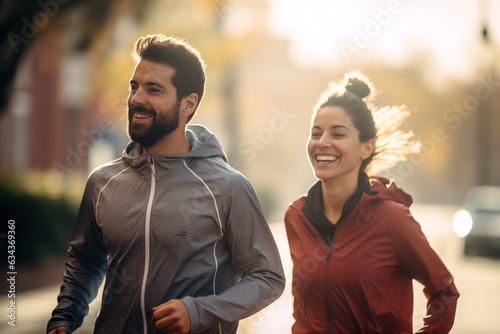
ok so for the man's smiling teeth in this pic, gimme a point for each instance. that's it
(142, 116)
(326, 158)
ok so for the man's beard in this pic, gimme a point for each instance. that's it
(162, 125)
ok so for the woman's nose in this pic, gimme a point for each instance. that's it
(324, 140)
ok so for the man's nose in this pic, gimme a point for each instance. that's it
(138, 97)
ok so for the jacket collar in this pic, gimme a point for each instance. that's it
(369, 189)
(313, 204)
(202, 142)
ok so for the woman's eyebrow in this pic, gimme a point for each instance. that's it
(333, 127)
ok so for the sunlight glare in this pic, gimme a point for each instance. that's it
(316, 28)
(462, 223)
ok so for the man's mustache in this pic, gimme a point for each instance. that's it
(135, 108)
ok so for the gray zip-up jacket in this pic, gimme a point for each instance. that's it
(163, 227)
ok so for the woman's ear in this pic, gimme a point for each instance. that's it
(367, 149)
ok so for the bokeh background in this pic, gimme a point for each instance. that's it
(64, 82)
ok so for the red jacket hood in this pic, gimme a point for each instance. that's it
(383, 188)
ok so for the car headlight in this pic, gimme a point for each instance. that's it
(461, 223)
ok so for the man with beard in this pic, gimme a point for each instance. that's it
(178, 233)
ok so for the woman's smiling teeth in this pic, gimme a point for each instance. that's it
(326, 158)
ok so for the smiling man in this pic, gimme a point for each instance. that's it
(178, 233)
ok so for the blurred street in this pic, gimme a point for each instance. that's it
(477, 280)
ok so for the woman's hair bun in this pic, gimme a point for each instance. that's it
(357, 87)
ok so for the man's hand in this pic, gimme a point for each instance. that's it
(171, 317)
(59, 330)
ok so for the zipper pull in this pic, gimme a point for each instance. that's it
(330, 247)
(151, 161)
(329, 252)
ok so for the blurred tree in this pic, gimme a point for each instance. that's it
(42, 223)
(23, 21)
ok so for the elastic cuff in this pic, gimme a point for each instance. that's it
(193, 314)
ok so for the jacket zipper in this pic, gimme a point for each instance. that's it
(326, 285)
(146, 241)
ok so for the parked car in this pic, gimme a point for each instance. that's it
(479, 221)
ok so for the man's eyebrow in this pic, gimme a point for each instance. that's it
(155, 84)
(150, 84)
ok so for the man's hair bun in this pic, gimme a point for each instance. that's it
(357, 87)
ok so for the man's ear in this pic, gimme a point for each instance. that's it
(367, 149)
(188, 104)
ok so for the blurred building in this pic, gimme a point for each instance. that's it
(45, 115)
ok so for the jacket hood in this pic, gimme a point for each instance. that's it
(203, 144)
(382, 188)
